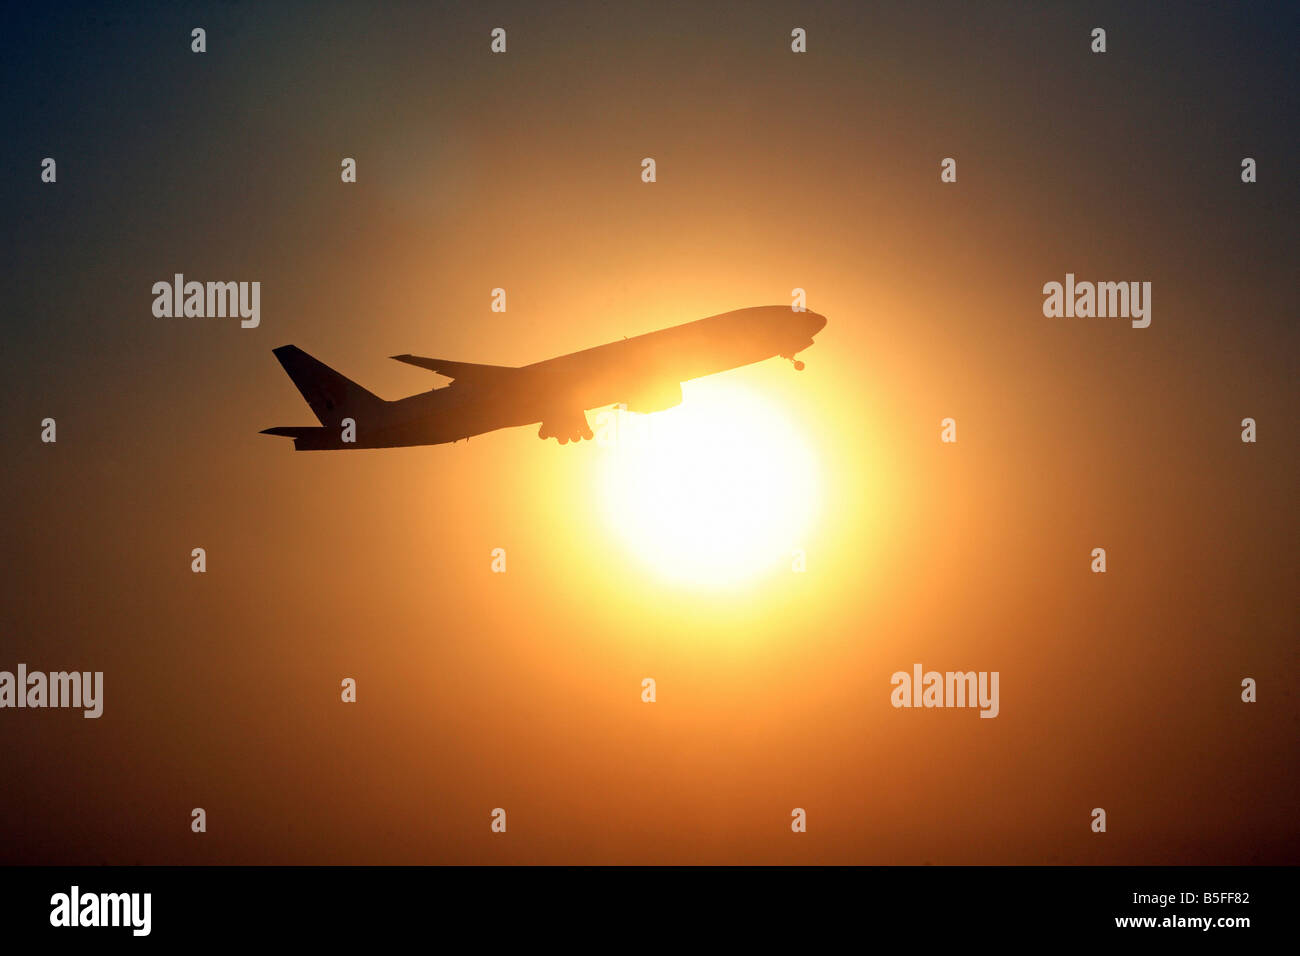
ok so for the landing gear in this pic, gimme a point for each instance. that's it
(798, 365)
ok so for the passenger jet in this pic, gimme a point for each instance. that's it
(644, 373)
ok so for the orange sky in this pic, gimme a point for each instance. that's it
(522, 690)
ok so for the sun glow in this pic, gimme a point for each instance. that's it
(714, 492)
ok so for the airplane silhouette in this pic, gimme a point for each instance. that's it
(644, 373)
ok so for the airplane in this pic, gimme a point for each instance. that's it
(643, 373)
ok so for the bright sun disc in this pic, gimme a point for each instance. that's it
(712, 492)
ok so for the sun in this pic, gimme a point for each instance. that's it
(715, 492)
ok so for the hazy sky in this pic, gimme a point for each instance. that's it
(522, 690)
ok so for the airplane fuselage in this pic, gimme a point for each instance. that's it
(644, 372)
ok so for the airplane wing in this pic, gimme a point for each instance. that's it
(461, 371)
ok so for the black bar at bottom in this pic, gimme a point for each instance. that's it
(616, 907)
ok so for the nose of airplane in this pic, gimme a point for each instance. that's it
(817, 321)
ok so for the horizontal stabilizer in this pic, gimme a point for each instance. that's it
(292, 431)
(461, 371)
(310, 438)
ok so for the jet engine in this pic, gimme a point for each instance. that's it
(655, 399)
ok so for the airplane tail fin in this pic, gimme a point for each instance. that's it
(332, 397)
